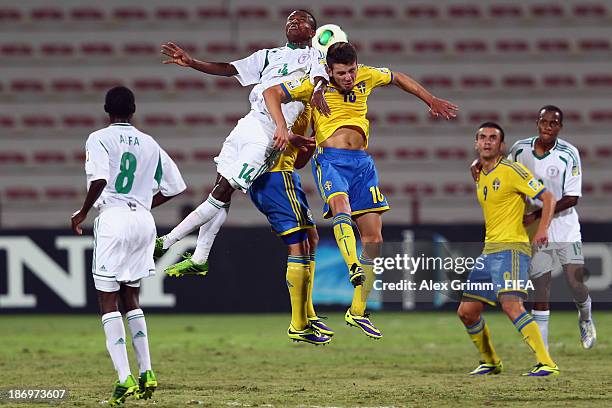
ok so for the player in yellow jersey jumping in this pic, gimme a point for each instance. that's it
(344, 172)
(504, 263)
(279, 196)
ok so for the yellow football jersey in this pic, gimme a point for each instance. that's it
(286, 161)
(501, 193)
(347, 109)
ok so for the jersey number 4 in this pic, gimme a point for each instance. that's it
(125, 178)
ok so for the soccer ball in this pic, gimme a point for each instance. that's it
(327, 35)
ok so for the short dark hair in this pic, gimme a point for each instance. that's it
(312, 17)
(551, 108)
(119, 102)
(341, 53)
(494, 126)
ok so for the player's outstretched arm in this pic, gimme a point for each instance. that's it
(159, 199)
(548, 210)
(274, 96)
(95, 189)
(181, 57)
(437, 106)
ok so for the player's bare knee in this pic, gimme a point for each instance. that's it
(313, 239)
(468, 313)
(129, 297)
(340, 204)
(512, 307)
(108, 301)
(223, 191)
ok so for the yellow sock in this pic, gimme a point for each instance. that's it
(298, 275)
(532, 336)
(345, 238)
(481, 337)
(362, 292)
(310, 311)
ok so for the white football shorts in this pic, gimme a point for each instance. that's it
(554, 256)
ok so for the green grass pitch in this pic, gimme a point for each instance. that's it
(247, 361)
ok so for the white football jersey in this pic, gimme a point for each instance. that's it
(269, 67)
(133, 165)
(560, 171)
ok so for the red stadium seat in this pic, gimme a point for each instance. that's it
(221, 48)
(378, 12)
(422, 11)
(559, 80)
(470, 46)
(50, 157)
(79, 120)
(606, 187)
(88, 14)
(101, 49)
(598, 80)
(130, 14)
(189, 84)
(518, 81)
(284, 12)
(204, 155)
(231, 119)
(477, 81)
(79, 156)
(464, 11)
(603, 152)
(252, 12)
(590, 10)
(57, 50)
(499, 11)
(9, 158)
(387, 46)
(213, 12)
(140, 49)
(16, 50)
(411, 153)
(601, 115)
(199, 119)
(588, 188)
(46, 14)
(584, 152)
(572, 116)
(554, 45)
(149, 85)
(419, 189)
(550, 10)
(226, 84)
(479, 117)
(27, 85)
(429, 46)
(170, 13)
(62, 193)
(594, 44)
(437, 81)
(402, 118)
(451, 153)
(6, 122)
(177, 155)
(8, 15)
(511, 45)
(372, 117)
(67, 85)
(458, 188)
(104, 84)
(333, 12)
(378, 154)
(21, 193)
(523, 116)
(387, 189)
(159, 119)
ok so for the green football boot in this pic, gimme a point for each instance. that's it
(187, 267)
(159, 250)
(123, 390)
(147, 383)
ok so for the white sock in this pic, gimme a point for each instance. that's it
(207, 235)
(115, 343)
(585, 309)
(140, 340)
(198, 217)
(541, 317)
